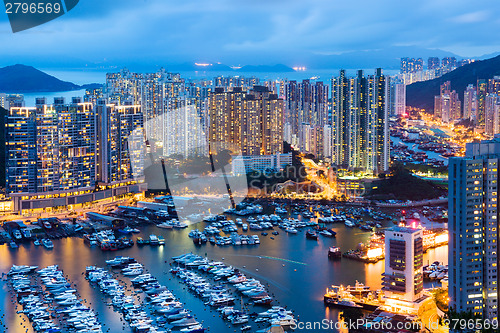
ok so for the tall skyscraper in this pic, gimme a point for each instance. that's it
(398, 97)
(306, 102)
(482, 91)
(470, 102)
(21, 150)
(473, 226)
(492, 120)
(340, 119)
(360, 108)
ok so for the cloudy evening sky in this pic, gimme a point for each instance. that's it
(252, 31)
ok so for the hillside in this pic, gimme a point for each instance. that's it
(421, 94)
(26, 79)
(401, 185)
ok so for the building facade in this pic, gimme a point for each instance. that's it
(473, 226)
(360, 111)
(403, 276)
(55, 157)
(242, 164)
(247, 123)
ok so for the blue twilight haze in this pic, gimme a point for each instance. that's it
(236, 32)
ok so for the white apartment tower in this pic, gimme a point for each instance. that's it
(403, 276)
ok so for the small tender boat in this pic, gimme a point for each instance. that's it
(141, 241)
(47, 243)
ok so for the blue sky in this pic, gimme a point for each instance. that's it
(252, 31)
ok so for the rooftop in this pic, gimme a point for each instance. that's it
(404, 229)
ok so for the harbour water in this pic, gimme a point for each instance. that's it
(296, 270)
(414, 147)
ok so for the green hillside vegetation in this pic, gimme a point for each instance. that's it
(402, 185)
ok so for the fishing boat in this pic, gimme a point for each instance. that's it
(153, 240)
(334, 253)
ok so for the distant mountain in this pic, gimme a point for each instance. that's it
(421, 94)
(384, 57)
(217, 67)
(189, 66)
(266, 69)
(26, 79)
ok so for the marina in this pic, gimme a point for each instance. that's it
(279, 264)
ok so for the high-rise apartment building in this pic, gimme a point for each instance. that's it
(236, 81)
(149, 90)
(449, 62)
(433, 63)
(120, 143)
(11, 100)
(50, 147)
(306, 102)
(447, 105)
(481, 92)
(491, 109)
(185, 129)
(250, 123)
(360, 108)
(470, 102)
(411, 65)
(55, 156)
(494, 85)
(473, 226)
(398, 98)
